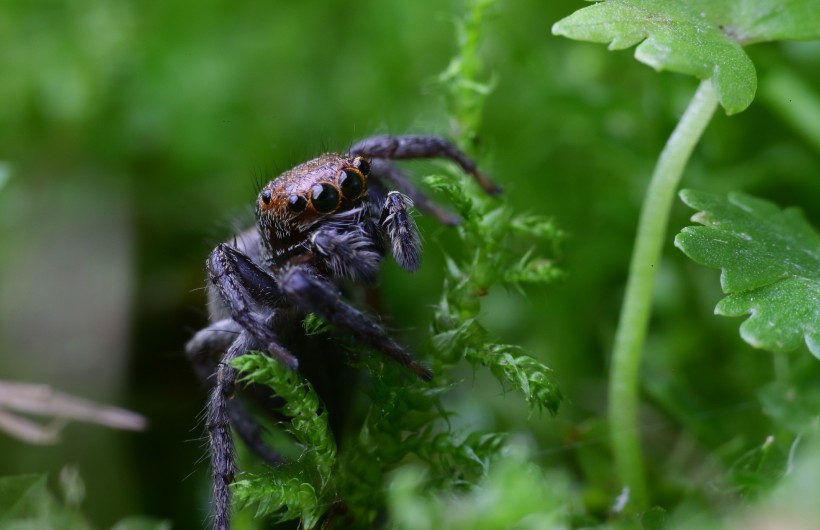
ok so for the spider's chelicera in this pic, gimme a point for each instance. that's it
(327, 220)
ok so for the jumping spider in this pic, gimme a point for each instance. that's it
(323, 222)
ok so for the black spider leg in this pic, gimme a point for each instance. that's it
(208, 345)
(412, 146)
(303, 285)
(242, 284)
(203, 348)
(218, 423)
(243, 287)
(385, 170)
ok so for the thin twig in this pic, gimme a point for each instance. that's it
(61, 407)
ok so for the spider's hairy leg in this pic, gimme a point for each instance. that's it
(397, 223)
(208, 344)
(303, 285)
(415, 146)
(347, 253)
(203, 350)
(218, 424)
(242, 284)
(249, 293)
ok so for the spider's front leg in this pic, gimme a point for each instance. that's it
(250, 295)
(314, 294)
(244, 286)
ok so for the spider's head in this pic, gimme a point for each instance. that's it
(297, 199)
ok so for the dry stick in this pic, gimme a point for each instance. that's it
(44, 401)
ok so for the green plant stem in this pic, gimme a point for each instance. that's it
(632, 327)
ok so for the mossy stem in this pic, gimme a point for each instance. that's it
(632, 327)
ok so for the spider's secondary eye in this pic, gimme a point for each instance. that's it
(266, 195)
(362, 165)
(324, 197)
(296, 203)
(352, 183)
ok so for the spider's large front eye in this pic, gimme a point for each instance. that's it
(362, 164)
(352, 183)
(324, 197)
(296, 203)
(266, 196)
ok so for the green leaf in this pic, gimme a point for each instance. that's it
(20, 495)
(294, 490)
(514, 493)
(770, 267)
(702, 38)
(759, 470)
(792, 401)
(308, 419)
(654, 518)
(525, 373)
(282, 494)
(26, 502)
(315, 325)
(751, 21)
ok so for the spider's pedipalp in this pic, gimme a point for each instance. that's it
(401, 230)
(347, 253)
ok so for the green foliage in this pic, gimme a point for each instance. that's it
(758, 470)
(407, 420)
(526, 374)
(27, 503)
(443, 477)
(125, 159)
(794, 501)
(488, 232)
(792, 401)
(465, 93)
(770, 267)
(301, 489)
(702, 38)
(515, 493)
(315, 325)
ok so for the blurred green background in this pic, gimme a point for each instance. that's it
(133, 137)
